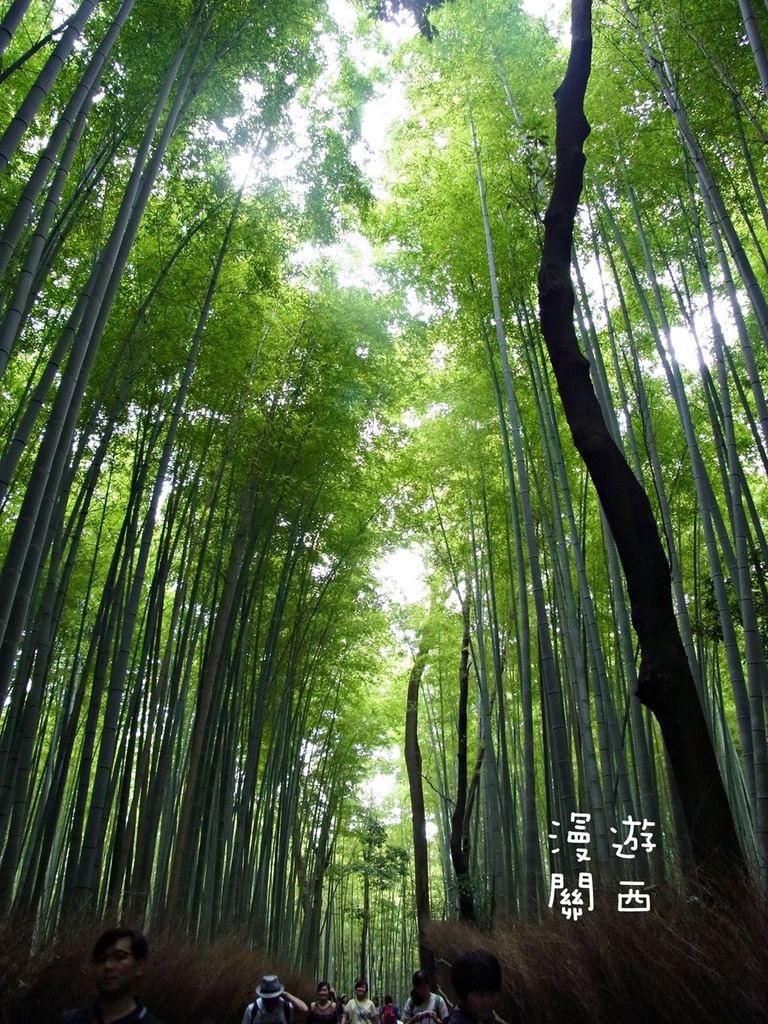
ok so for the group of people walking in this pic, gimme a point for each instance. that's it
(275, 1005)
(475, 976)
(120, 954)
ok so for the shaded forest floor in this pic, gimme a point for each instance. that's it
(683, 962)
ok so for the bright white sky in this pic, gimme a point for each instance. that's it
(390, 102)
(401, 576)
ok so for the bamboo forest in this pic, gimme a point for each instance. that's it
(383, 473)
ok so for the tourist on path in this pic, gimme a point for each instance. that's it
(118, 957)
(422, 1003)
(324, 1010)
(273, 1005)
(390, 1014)
(359, 1009)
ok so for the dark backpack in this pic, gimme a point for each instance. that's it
(257, 1012)
(389, 1014)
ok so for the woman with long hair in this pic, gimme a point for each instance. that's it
(324, 1010)
(422, 1004)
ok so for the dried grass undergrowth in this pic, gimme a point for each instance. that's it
(685, 963)
(184, 983)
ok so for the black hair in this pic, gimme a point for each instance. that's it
(323, 984)
(361, 983)
(419, 978)
(139, 945)
(476, 971)
(388, 999)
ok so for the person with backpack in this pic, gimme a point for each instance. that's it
(391, 1012)
(423, 1004)
(273, 1005)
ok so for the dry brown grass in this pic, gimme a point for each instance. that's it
(184, 983)
(685, 963)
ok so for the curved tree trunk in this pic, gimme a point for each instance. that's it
(665, 683)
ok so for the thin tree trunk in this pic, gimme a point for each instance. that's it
(11, 21)
(551, 687)
(717, 213)
(412, 755)
(41, 87)
(460, 845)
(91, 853)
(755, 42)
(74, 113)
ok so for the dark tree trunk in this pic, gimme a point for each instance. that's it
(413, 765)
(665, 683)
(460, 843)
